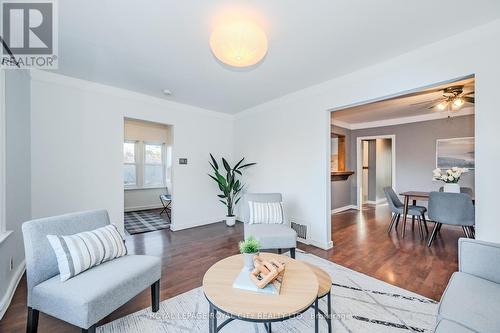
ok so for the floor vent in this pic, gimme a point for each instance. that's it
(301, 229)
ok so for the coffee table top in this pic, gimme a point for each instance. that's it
(324, 280)
(298, 290)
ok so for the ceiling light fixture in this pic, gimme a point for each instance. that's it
(239, 43)
(442, 105)
(166, 92)
(458, 102)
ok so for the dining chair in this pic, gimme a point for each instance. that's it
(453, 209)
(466, 190)
(397, 208)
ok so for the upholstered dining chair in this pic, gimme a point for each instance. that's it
(88, 297)
(397, 208)
(272, 236)
(453, 209)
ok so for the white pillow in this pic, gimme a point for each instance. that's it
(265, 212)
(79, 252)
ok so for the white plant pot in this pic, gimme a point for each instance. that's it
(230, 220)
(451, 188)
(248, 259)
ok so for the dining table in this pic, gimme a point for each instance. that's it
(414, 196)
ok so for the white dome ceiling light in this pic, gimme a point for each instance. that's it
(239, 43)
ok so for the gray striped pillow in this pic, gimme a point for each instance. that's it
(79, 252)
(265, 212)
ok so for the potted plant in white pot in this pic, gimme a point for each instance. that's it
(249, 248)
(450, 177)
(229, 185)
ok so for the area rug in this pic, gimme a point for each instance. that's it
(360, 304)
(144, 221)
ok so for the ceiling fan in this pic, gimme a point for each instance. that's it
(453, 99)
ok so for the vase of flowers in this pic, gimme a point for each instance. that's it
(249, 248)
(450, 177)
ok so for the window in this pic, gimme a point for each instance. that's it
(153, 165)
(130, 164)
(144, 164)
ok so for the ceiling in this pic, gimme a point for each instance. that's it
(151, 45)
(410, 105)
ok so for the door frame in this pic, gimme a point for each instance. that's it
(359, 163)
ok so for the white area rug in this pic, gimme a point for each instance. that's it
(359, 303)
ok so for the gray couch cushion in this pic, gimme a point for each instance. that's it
(90, 296)
(472, 302)
(272, 236)
(448, 326)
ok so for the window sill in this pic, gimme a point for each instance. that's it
(145, 188)
(4, 235)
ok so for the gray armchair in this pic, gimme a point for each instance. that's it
(270, 236)
(452, 209)
(471, 300)
(89, 296)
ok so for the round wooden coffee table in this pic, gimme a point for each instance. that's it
(298, 292)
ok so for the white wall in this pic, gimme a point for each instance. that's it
(289, 137)
(17, 180)
(77, 136)
(136, 130)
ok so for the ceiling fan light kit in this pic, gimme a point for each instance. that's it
(453, 99)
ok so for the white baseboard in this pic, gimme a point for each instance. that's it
(177, 227)
(341, 209)
(134, 209)
(321, 245)
(11, 289)
(376, 202)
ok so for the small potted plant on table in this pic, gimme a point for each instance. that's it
(249, 248)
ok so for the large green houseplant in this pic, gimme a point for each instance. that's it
(229, 184)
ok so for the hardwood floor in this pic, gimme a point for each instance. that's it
(361, 243)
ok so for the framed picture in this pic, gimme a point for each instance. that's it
(456, 152)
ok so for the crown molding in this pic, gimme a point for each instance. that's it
(404, 120)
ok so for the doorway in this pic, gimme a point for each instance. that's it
(147, 175)
(376, 168)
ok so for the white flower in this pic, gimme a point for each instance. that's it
(455, 169)
(450, 178)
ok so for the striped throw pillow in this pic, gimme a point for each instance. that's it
(265, 212)
(79, 252)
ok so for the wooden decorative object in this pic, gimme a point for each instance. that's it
(266, 271)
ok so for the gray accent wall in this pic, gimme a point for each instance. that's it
(415, 153)
(342, 188)
(17, 174)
